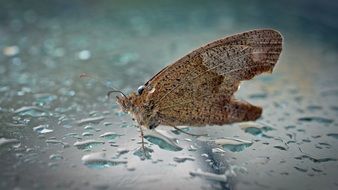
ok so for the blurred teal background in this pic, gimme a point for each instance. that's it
(47, 110)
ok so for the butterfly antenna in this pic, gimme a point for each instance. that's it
(195, 135)
(119, 91)
(98, 79)
(87, 75)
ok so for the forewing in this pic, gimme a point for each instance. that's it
(213, 73)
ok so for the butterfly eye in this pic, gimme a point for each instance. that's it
(140, 90)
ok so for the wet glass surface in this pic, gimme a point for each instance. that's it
(59, 131)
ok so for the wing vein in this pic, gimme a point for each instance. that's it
(182, 83)
(234, 70)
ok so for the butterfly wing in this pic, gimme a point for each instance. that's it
(198, 89)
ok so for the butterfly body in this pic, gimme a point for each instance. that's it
(198, 89)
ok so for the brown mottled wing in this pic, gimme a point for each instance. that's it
(198, 89)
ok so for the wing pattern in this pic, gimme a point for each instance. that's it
(198, 89)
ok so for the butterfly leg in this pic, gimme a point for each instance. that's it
(146, 151)
(142, 141)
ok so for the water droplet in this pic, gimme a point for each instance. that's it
(102, 187)
(316, 119)
(84, 55)
(73, 135)
(107, 124)
(17, 124)
(143, 154)
(334, 108)
(125, 125)
(109, 135)
(11, 50)
(131, 168)
(330, 92)
(255, 128)
(289, 127)
(291, 142)
(316, 170)
(177, 132)
(45, 131)
(232, 144)
(42, 99)
(159, 138)
(89, 127)
(121, 151)
(209, 176)
(258, 96)
(192, 148)
(31, 111)
(280, 147)
(87, 134)
(52, 164)
(181, 159)
(67, 126)
(314, 108)
(217, 150)
(98, 160)
(55, 157)
(315, 160)
(53, 141)
(334, 135)
(42, 129)
(90, 120)
(3, 88)
(289, 135)
(93, 113)
(5, 141)
(127, 58)
(87, 144)
(188, 140)
(301, 169)
(172, 164)
(254, 131)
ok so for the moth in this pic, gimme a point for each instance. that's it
(198, 89)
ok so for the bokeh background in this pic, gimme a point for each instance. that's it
(59, 131)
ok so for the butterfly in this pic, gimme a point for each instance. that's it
(198, 89)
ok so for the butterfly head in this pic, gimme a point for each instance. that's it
(142, 111)
(126, 103)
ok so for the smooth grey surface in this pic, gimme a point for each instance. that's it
(46, 45)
